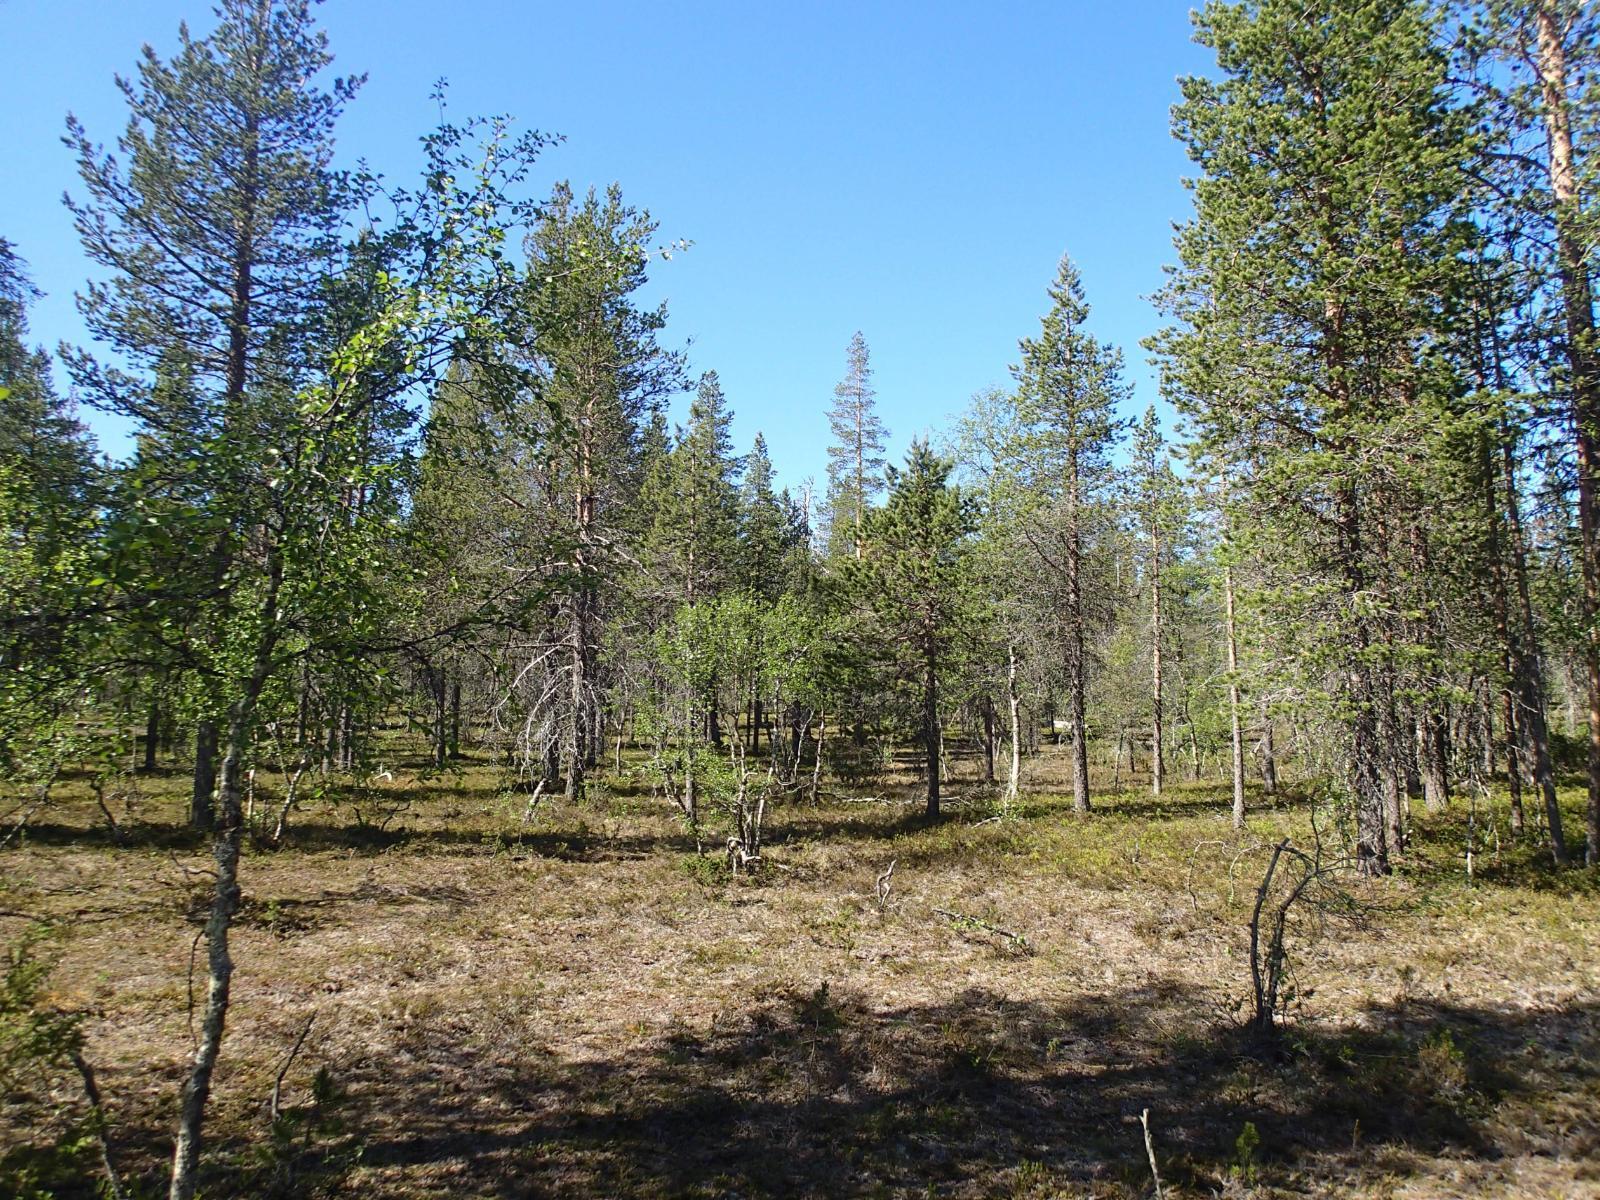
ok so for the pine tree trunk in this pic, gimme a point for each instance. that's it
(1013, 706)
(1235, 726)
(1509, 653)
(1365, 773)
(441, 715)
(1269, 755)
(1077, 682)
(1157, 764)
(1531, 718)
(1433, 742)
(455, 720)
(932, 735)
(988, 739)
(578, 693)
(1578, 304)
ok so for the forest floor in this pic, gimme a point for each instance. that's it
(579, 1006)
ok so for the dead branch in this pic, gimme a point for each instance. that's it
(1150, 1150)
(294, 1051)
(964, 919)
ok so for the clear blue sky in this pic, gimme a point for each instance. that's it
(912, 170)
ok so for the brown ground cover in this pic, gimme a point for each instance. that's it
(578, 1006)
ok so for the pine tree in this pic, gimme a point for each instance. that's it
(855, 458)
(1323, 248)
(215, 225)
(1536, 65)
(603, 372)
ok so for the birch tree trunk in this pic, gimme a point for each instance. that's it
(225, 900)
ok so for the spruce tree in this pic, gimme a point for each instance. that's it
(696, 526)
(915, 578)
(1069, 385)
(1154, 497)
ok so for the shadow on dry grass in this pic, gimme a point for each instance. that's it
(818, 1094)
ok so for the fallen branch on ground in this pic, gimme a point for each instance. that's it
(964, 919)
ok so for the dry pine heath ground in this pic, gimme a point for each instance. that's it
(576, 1006)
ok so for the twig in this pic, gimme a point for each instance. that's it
(194, 949)
(277, 1084)
(885, 881)
(1150, 1149)
(963, 918)
(21, 822)
(97, 1113)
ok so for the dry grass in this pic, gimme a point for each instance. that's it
(576, 1007)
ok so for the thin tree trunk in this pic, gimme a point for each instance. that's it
(1157, 765)
(152, 736)
(1509, 652)
(1077, 681)
(224, 902)
(988, 739)
(1365, 774)
(441, 714)
(932, 734)
(1531, 717)
(1013, 707)
(202, 805)
(1269, 755)
(1432, 730)
(1235, 726)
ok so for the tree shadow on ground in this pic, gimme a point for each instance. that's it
(313, 836)
(813, 1093)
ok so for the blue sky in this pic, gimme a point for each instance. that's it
(912, 170)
